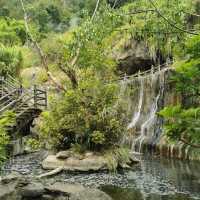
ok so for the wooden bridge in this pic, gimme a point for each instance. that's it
(153, 70)
(27, 104)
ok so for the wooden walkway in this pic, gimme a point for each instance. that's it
(27, 104)
(153, 70)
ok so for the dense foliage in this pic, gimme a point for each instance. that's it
(86, 117)
(6, 119)
(79, 44)
(12, 32)
(182, 121)
(10, 61)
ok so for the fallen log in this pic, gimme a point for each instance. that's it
(51, 173)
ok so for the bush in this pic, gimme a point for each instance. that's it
(6, 119)
(12, 32)
(10, 61)
(182, 121)
(117, 157)
(84, 116)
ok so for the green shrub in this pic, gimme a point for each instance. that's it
(117, 157)
(10, 61)
(84, 116)
(6, 119)
(77, 148)
(12, 32)
(33, 144)
(182, 122)
(97, 138)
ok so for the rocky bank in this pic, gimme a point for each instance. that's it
(18, 187)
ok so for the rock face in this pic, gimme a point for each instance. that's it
(83, 163)
(16, 187)
(133, 56)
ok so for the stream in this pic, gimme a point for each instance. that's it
(152, 179)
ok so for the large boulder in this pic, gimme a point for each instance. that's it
(33, 190)
(93, 194)
(68, 189)
(16, 187)
(7, 189)
(90, 163)
(78, 192)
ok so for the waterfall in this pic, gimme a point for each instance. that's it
(147, 124)
(137, 114)
(147, 101)
(145, 95)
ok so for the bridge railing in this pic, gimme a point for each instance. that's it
(40, 97)
(14, 96)
(153, 70)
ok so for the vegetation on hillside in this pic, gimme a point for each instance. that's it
(182, 121)
(6, 119)
(77, 43)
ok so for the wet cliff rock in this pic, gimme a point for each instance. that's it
(133, 56)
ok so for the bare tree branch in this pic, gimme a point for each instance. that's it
(115, 3)
(51, 173)
(39, 50)
(192, 14)
(190, 144)
(137, 12)
(74, 60)
(169, 21)
(68, 69)
(95, 10)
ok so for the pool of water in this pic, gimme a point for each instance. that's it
(159, 179)
(151, 179)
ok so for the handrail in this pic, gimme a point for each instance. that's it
(153, 70)
(25, 103)
(11, 103)
(5, 103)
(13, 80)
(7, 95)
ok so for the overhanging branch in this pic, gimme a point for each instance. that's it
(169, 21)
(39, 50)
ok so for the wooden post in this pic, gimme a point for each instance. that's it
(2, 78)
(35, 96)
(46, 99)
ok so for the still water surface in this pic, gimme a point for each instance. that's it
(159, 179)
(152, 179)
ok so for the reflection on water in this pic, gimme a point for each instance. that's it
(152, 179)
(160, 179)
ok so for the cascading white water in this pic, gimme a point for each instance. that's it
(136, 115)
(147, 124)
(149, 92)
(145, 95)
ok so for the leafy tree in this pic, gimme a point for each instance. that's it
(84, 116)
(54, 13)
(182, 122)
(88, 48)
(157, 26)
